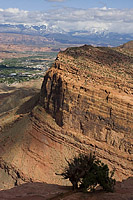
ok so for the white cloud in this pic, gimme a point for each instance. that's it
(70, 19)
(12, 10)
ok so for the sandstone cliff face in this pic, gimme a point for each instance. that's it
(92, 106)
(85, 105)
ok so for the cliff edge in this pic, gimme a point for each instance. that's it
(85, 105)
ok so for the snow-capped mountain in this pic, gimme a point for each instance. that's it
(75, 37)
(22, 28)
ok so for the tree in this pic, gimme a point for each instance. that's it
(98, 175)
(77, 168)
(86, 172)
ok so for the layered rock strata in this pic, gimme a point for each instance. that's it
(85, 105)
(92, 101)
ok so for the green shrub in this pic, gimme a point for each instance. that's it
(86, 172)
(98, 174)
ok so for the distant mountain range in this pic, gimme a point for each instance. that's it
(75, 37)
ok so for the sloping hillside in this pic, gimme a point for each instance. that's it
(85, 105)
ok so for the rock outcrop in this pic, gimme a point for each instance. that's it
(43, 191)
(85, 105)
(91, 100)
(128, 45)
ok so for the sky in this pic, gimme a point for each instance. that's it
(70, 15)
(41, 5)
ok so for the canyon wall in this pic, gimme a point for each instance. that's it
(92, 106)
(85, 105)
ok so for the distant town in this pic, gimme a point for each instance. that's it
(16, 70)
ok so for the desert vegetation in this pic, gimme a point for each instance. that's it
(86, 172)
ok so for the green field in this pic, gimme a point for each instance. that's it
(26, 68)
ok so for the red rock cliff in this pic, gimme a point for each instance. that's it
(85, 105)
(88, 92)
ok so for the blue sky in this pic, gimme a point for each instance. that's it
(70, 15)
(32, 5)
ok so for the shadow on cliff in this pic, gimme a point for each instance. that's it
(44, 191)
(28, 105)
(13, 99)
